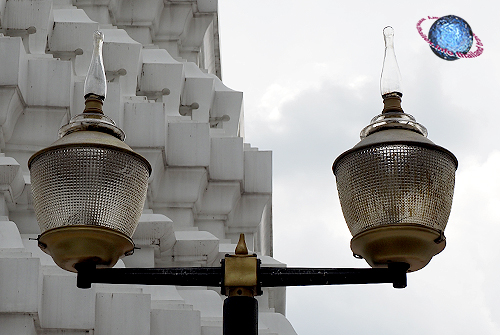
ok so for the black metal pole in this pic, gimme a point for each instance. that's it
(240, 316)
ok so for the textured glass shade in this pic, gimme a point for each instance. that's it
(395, 184)
(89, 186)
(396, 190)
(88, 190)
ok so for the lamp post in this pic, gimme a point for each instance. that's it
(395, 188)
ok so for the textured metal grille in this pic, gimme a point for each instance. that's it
(395, 184)
(88, 186)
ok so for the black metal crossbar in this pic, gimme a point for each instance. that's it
(208, 276)
(267, 276)
(240, 313)
(395, 274)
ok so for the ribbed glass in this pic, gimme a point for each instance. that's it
(395, 184)
(89, 186)
(95, 82)
(395, 120)
(390, 80)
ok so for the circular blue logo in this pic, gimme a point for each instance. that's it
(450, 33)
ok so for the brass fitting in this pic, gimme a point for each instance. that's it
(93, 104)
(240, 272)
(392, 103)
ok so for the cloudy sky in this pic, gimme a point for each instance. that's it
(310, 74)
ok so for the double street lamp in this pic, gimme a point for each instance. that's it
(395, 187)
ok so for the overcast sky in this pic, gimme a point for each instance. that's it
(310, 75)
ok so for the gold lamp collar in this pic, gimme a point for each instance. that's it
(240, 271)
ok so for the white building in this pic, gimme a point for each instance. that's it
(164, 90)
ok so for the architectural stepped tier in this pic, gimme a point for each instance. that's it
(207, 186)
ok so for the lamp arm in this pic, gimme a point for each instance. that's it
(267, 276)
(199, 276)
(272, 277)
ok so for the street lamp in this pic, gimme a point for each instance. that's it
(89, 187)
(395, 188)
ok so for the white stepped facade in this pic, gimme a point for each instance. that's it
(164, 90)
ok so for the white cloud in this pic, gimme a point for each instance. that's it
(270, 108)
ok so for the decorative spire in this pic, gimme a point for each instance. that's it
(241, 247)
(95, 82)
(391, 87)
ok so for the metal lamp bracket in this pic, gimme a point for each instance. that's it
(216, 120)
(20, 32)
(112, 75)
(187, 110)
(154, 95)
(67, 55)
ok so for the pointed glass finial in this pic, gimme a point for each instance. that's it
(390, 80)
(391, 89)
(95, 82)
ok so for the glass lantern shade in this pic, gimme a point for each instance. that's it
(89, 190)
(396, 190)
